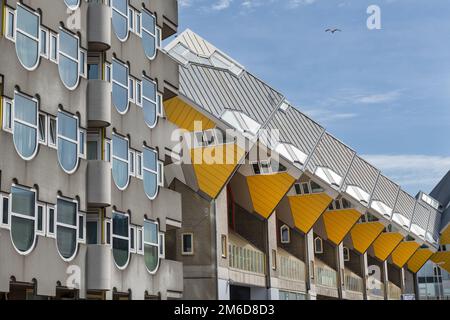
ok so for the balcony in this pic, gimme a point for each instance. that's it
(247, 263)
(98, 184)
(354, 287)
(375, 290)
(326, 280)
(98, 267)
(99, 26)
(394, 292)
(291, 271)
(99, 103)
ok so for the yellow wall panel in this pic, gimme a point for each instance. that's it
(445, 235)
(419, 259)
(307, 209)
(214, 165)
(404, 252)
(184, 115)
(442, 259)
(364, 234)
(339, 222)
(385, 244)
(267, 190)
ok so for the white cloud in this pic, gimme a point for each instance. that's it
(377, 98)
(221, 5)
(185, 3)
(413, 172)
(297, 3)
(327, 116)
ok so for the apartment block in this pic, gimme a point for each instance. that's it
(85, 210)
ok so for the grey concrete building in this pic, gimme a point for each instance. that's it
(85, 210)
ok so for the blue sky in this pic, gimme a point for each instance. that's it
(385, 93)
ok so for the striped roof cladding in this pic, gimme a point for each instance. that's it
(386, 191)
(196, 43)
(421, 216)
(434, 224)
(296, 129)
(217, 90)
(333, 154)
(405, 205)
(362, 174)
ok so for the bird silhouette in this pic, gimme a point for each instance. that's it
(333, 30)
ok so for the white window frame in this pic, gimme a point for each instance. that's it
(133, 242)
(77, 60)
(50, 234)
(81, 239)
(139, 165)
(158, 37)
(162, 245)
(6, 102)
(132, 90)
(108, 225)
(140, 240)
(160, 174)
(132, 163)
(82, 66)
(121, 238)
(29, 35)
(131, 19)
(53, 47)
(44, 220)
(138, 23)
(346, 254)
(76, 227)
(150, 33)
(94, 217)
(316, 250)
(120, 159)
(127, 86)
(185, 253)
(10, 12)
(47, 45)
(77, 143)
(157, 111)
(107, 76)
(49, 121)
(82, 143)
(126, 15)
(282, 228)
(44, 141)
(138, 93)
(157, 172)
(153, 244)
(8, 224)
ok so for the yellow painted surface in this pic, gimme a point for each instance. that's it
(442, 259)
(267, 190)
(307, 209)
(364, 234)
(339, 222)
(445, 235)
(214, 165)
(419, 259)
(404, 252)
(184, 115)
(385, 244)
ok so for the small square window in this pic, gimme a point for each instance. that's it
(187, 244)
(51, 136)
(7, 115)
(42, 128)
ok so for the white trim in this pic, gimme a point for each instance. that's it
(131, 162)
(127, 161)
(81, 239)
(53, 47)
(161, 174)
(132, 92)
(108, 224)
(10, 12)
(126, 86)
(47, 45)
(8, 224)
(77, 59)
(149, 99)
(139, 165)
(162, 245)
(140, 240)
(187, 253)
(49, 120)
(285, 227)
(9, 102)
(346, 254)
(44, 220)
(72, 7)
(133, 240)
(123, 15)
(151, 171)
(17, 30)
(153, 244)
(82, 143)
(67, 139)
(48, 221)
(138, 93)
(74, 227)
(149, 32)
(43, 141)
(82, 71)
(121, 238)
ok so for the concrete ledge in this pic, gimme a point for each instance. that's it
(99, 27)
(98, 267)
(99, 103)
(98, 184)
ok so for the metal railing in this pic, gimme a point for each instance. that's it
(353, 282)
(326, 276)
(376, 288)
(394, 292)
(247, 259)
(291, 268)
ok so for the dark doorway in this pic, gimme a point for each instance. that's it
(239, 293)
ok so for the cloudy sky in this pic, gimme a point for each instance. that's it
(385, 93)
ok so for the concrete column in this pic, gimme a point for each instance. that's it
(385, 279)
(272, 244)
(309, 264)
(340, 267)
(403, 280)
(365, 274)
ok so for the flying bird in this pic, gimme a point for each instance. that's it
(333, 30)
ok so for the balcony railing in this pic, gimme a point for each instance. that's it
(326, 276)
(376, 288)
(247, 259)
(291, 268)
(353, 282)
(394, 292)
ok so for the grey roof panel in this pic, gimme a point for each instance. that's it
(421, 216)
(362, 174)
(217, 90)
(296, 129)
(442, 191)
(434, 224)
(405, 205)
(386, 191)
(333, 154)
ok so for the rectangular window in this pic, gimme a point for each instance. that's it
(82, 144)
(131, 19)
(160, 174)
(138, 24)
(51, 221)
(42, 128)
(140, 241)
(139, 93)
(54, 47)
(93, 67)
(158, 37)
(10, 24)
(44, 42)
(160, 105)
(7, 115)
(132, 163)
(306, 188)
(131, 89)
(108, 232)
(4, 205)
(108, 150)
(83, 64)
(224, 246)
(139, 173)
(162, 245)
(93, 146)
(187, 244)
(51, 132)
(107, 72)
(298, 189)
(133, 239)
(274, 259)
(40, 227)
(81, 228)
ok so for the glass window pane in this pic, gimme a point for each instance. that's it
(27, 50)
(67, 212)
(68, 71)
(68, 44)
(150, 232)
(150, 159)
(25, 139)
(151, 257)
(120, 147)
(91, 232)
(27, 21)
(25, 109)
(67, 126)
(67, 154)
(22, 233)
(120, 225)
(23, 201)
(120, 251)
(66, 239)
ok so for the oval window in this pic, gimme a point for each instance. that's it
(25, 126)
(149, 34)
(120, 86)
(67, 142)
(121, 240)
(66, 228)
(120, 160)
(68, 59)
(149, 102)
(23, 219)
(120, 18)
(27, 37)
(72, 4)
(150, 173)
(151, 246)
